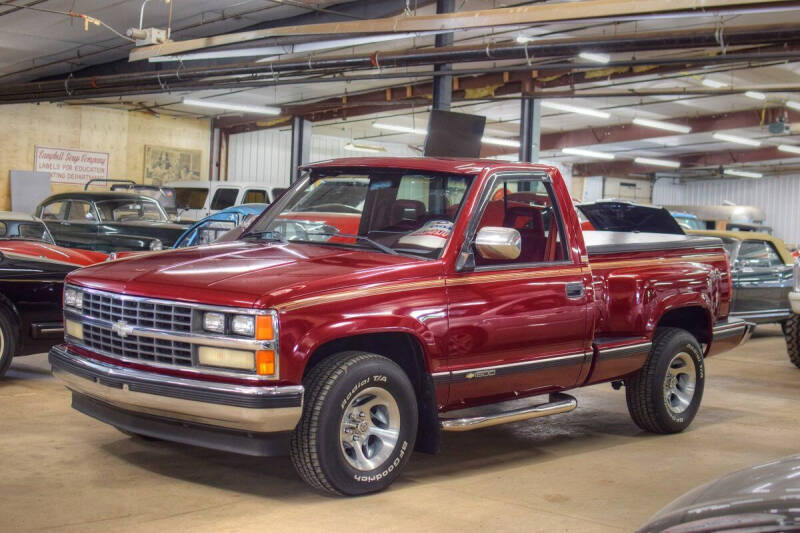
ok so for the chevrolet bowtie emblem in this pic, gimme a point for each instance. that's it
(122, 328)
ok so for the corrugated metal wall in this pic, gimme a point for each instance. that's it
(779, 197)
(265, 155)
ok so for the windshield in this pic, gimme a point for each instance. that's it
(190, 197)
(387, 210)
(127, 211)
(25, 231)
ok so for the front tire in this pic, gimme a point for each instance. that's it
(8, 340)
(358, 426)
(791, 332)
(664, 396)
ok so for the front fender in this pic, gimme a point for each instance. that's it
(301, 336)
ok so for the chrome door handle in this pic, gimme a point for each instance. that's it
(574, 289)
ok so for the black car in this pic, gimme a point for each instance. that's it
(108, 221)
(33, 270)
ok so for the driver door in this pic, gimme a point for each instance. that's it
(518, 326)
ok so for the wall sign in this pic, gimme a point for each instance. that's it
(70, 166)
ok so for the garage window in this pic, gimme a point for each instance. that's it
(255, 196)
(224, 198)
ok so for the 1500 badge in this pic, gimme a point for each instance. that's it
(480, 374)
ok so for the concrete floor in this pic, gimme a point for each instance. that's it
(589, 470)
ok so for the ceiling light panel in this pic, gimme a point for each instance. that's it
(260, 110)
(576, 109)
(594, 57)
(587, 153)
(657, 124)
(742, 173)
(657, 162)
(736, 139)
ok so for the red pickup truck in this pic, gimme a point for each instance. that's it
(383, 300)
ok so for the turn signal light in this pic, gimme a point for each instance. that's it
(264, 328)
(265, 362)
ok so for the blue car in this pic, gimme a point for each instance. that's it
(212, 227)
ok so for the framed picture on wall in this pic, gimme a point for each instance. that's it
(163, 164)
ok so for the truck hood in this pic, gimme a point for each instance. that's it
(248, 274)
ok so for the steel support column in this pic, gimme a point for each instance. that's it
(529, 129)
(443, 84)
(301, 145)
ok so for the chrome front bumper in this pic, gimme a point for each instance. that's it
(225, 406)
(794, 302)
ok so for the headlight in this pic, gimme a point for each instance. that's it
(797, 274)
(214, 322)
(156, 245)
(243, 325)
(73, 298)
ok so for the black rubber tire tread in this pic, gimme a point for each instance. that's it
(303, 444)
(640, 388)
(791, 332)
(10, 338)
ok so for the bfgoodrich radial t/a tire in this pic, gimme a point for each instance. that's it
(358, 426)
(664, 396)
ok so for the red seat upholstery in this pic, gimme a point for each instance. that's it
(530, 224)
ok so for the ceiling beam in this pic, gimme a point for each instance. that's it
(511, 16)
(688, 162)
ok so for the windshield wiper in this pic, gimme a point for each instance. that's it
(275, 235)
(375, 244)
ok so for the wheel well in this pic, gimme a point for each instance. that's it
(695, 320)
(405, 350)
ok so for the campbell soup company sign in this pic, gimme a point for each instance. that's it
(70, 166)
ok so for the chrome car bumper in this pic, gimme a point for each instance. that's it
(178, 409)
(794, 302)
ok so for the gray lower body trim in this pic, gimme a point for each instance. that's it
(242, 442)
(621, 352)
(241, 407)
(458, 376)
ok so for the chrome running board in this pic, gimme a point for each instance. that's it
(559, 403)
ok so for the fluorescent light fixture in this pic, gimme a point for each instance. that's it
(359, 147)
(791, 148)
(597, 58)
(399, 129)
(742, 173)
(587, 153)
(261, 110)
(793, 105)
(736, 139)
(522, 39)
(755, 95)
(714, 84)
(657, 124)
(575, 109)
(657, 162)
(500, 142)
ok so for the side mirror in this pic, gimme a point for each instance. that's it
(498, 243)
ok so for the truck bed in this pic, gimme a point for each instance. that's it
(612, 242)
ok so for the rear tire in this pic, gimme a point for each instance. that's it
(358, 426)
(8, 340)
(791, 332)
(665, 395)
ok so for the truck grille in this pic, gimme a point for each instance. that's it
(134, 347)
(111, 307)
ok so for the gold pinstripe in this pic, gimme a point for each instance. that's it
(359, 293)
(475, 278)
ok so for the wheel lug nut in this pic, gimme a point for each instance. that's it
(361, 414)
(356, 438)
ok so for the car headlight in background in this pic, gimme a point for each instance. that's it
(797, 274)
(156, 245)
(73, 298)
